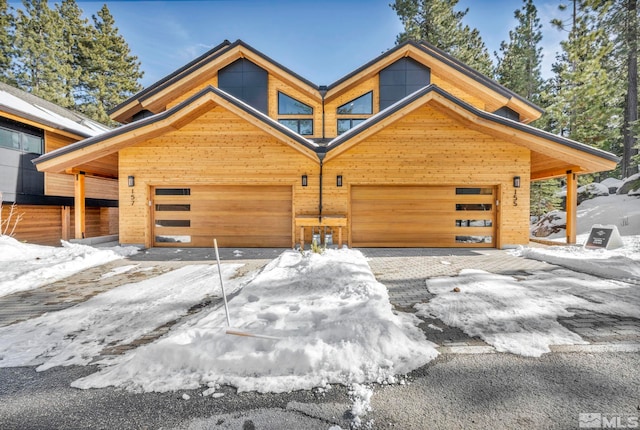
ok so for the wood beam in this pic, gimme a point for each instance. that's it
(66, 222)
(79, 205)
(572, 206)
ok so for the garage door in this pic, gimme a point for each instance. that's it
(237, 216)
(411, 216)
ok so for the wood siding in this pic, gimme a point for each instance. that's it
(57, 184)
(330, 109)
(427, 147)
(43, 225)
(219, 148)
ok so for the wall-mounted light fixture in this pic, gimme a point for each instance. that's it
(516, 185)
(516, 182)
(304, 180)
(131, 180)
(339, 181)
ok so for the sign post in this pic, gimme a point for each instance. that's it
(604, 237)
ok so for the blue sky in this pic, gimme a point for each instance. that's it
(321, 40)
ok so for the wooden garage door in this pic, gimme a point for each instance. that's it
(412, 216)
(237, 216)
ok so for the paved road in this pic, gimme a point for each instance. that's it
(471, 391)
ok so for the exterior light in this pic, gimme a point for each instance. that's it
(339, 181)
(304, 180)
(516, 182)
(131, 180)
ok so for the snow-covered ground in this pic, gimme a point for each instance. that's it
(332, 321)
(25, 266)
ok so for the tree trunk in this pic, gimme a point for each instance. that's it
(631, 108)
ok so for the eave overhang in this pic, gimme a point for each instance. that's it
(156, 97)
(574, 156)
(80, 153)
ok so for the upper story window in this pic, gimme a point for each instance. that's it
(354, 112)
(21, 137)
(362, 105)
(400, 79)
(247, 82)
(296, 115)
(290, 106)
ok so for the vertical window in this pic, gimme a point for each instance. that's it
(296, 115)
(354, 112)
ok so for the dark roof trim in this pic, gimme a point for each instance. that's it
(480, 113)
(447, 59)
(169, 77)
(168, 113)
(207, 57)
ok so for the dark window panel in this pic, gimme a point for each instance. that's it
(247, 82)
(173, 191)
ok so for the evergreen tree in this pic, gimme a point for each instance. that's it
(75, 32)
(112, 73)
(543, 197)
(436, 22)
(584, 96)
(41, 62)
(519, 62)
(620, 20)
(6, 42)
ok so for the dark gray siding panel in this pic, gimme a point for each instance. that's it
(247, 82)
(400, 79)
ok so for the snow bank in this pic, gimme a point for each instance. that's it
(25, 266)
(333, 321)
(75, 336)
(519, 315)
(621, 264)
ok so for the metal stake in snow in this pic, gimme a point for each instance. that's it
(224, 295)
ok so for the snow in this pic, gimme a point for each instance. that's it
(86, 128)
(612, 183)
(621, 210)
(519, 314)
(76, 335)
(25, 266)
(333, 321)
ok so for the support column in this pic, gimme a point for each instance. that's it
(66, 222)
(572, 206)
(79, 206)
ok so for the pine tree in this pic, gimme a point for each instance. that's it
(41, 62)
(584, 97)
(436, 22)
(75, 32)
(6, 42)
(619, 18)
(543, 197)
(519, 62)
(112, 73)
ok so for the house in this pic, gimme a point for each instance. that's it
(412, 149)
(29, 127)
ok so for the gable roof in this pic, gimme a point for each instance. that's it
(22, 105)
(557, 153)
(214, 59)
(425, 53)
(578, 156)
(83, 152)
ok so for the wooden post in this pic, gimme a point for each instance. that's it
(572, 206)
(79, 208)
(66, 222)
